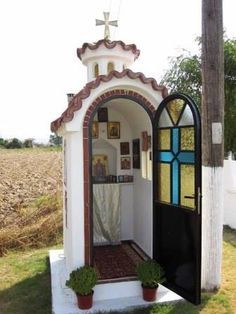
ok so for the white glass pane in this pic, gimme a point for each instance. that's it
(187, 117)
(165, 120)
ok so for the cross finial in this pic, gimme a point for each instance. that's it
(106, 22)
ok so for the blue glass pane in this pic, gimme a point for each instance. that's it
(165, 156)
(175, 140)
(186, 157)
(175, 182)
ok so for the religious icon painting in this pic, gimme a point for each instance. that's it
(102, 115)
(100, 167)
(136, 154)
(144, 141)
(125, 163)
(124, 148)
(149, 142)
(95, 131)
(113, 130)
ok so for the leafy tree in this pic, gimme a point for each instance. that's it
(2, 141)
(28, 143)
(184, 76)
(14, 143)
(55, 140)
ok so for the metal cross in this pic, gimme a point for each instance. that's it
(106, 22)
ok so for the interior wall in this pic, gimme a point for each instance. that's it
(136, 197)
(111, 148)
(142, 193)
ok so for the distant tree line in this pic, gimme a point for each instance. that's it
(54, 140)
(16, 143)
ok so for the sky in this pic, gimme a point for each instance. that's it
(39, 38)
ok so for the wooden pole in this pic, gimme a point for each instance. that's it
(212, 142)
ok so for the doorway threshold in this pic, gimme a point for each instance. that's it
(119, 296)
(116, 263)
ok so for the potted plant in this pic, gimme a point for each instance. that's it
(150, 273)
(82, 280)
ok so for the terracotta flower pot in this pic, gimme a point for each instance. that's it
(85, 302)
(149, 294)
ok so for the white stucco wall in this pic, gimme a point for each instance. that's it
(74, 232)
(136, 222)
(102, 56)
(230, 193)
(142, 194)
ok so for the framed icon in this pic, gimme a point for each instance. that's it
(144, 141)
(95, 131)
(124, 148)
(136, 154)
(113, 130)
(125, 163)
(100, 167)
(102, 115)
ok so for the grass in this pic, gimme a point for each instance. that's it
(25, 285)
(37, 225)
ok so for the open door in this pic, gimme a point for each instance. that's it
(177, 195)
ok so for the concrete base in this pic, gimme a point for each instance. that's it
(107, 297)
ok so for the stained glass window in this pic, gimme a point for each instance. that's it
(175, 155)
(164, 182)
(187, 138)
(164, 139)
(187, 185)
(175, 107)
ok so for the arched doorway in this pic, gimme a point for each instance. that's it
(112, 101)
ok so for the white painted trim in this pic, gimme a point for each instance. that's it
(212, 226)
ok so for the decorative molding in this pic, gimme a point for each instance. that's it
(76, 102)
(87, 184)
(109, 45)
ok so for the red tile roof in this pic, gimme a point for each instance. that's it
(108, 44)
(76, 102)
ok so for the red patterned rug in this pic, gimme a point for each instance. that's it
(115, 261)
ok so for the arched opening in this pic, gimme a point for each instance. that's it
(110, 67)
(120, 197)
(96, 70)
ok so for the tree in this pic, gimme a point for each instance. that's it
(28, 143)
(2, 141)
(14, 143)
(55, 140)
(184, 76)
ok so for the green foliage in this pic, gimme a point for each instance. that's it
(150, 273)
(2, 142)
(28, 143)
(82, 280)
(184, 76)
(14, 143)
(55, 140)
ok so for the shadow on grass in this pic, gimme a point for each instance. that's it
(221, 302)
(229, 235)
(32, 295)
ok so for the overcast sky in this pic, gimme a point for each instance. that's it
(39, 38)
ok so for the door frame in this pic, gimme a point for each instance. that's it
(198, 185)
(150, 110)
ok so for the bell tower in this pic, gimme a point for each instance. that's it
(105, 55)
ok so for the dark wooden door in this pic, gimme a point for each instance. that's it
(177, 194)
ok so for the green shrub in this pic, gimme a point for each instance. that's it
(82, 280)
(150, 273)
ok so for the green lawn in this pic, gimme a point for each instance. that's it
(25, 285)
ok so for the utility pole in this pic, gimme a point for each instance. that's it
(212, 142)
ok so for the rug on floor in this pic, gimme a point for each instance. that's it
(115, 261)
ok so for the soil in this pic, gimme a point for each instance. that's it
(25, 175)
